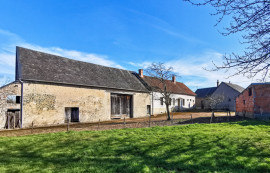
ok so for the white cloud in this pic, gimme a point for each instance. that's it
(7, 59)
(191, 69)
(9, 41)
(142, 65)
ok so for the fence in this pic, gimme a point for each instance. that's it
(123, 123)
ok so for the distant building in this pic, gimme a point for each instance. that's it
(228, 91)
(254, 101)
(181, 98)
(201, 97)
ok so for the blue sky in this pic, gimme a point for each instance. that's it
(129, 34)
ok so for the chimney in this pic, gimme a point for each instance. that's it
(174, 79)
(141, 72)
(217, 83)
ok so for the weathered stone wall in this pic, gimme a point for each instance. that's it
(45, 104)
(141, 100)
(11, 89)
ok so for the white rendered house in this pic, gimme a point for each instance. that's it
(181, 97)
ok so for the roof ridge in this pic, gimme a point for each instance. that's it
(59, 56)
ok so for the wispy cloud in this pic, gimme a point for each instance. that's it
(9, 40)
(142, 65)
(191, 69)
(163, 26)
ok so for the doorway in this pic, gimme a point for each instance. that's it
(12, 119)
(72, 114)
(121, 106)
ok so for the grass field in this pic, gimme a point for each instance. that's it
(227, 147)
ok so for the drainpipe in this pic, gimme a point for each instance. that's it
(21, 112)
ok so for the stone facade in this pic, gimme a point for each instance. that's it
(45, 104)
(7, 94)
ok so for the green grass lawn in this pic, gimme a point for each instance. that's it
(226, 147)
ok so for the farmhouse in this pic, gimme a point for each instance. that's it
(254, 101)
(227, 91)
(51, 90)
(181, 97)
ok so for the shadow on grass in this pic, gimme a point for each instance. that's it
(158, 149)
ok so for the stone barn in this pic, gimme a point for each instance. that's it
(51, 90)
(254, 101)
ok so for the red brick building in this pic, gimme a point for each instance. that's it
(254, 101)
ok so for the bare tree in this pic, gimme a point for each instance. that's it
(252, 19)
(161, 75)
(214, 101)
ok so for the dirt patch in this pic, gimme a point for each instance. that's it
(160, 120)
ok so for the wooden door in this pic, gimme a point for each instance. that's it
(74, 114)
(12, 119)
(115, 105)
(120, 105)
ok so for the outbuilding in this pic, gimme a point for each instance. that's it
(254, 101)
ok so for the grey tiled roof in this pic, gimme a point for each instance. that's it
(205, 92)
(235, 87)
(38, 66)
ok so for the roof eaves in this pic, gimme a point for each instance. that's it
(81, 85)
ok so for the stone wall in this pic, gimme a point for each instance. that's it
(141, 100)
(13, 89)
(45, 104)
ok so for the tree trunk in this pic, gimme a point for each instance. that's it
(168, 112)
(212, 116)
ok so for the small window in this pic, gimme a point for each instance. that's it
(149, 109)
(183, 102)
(250, 91)
(18, 99)
(161, 100)
(244, 102)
